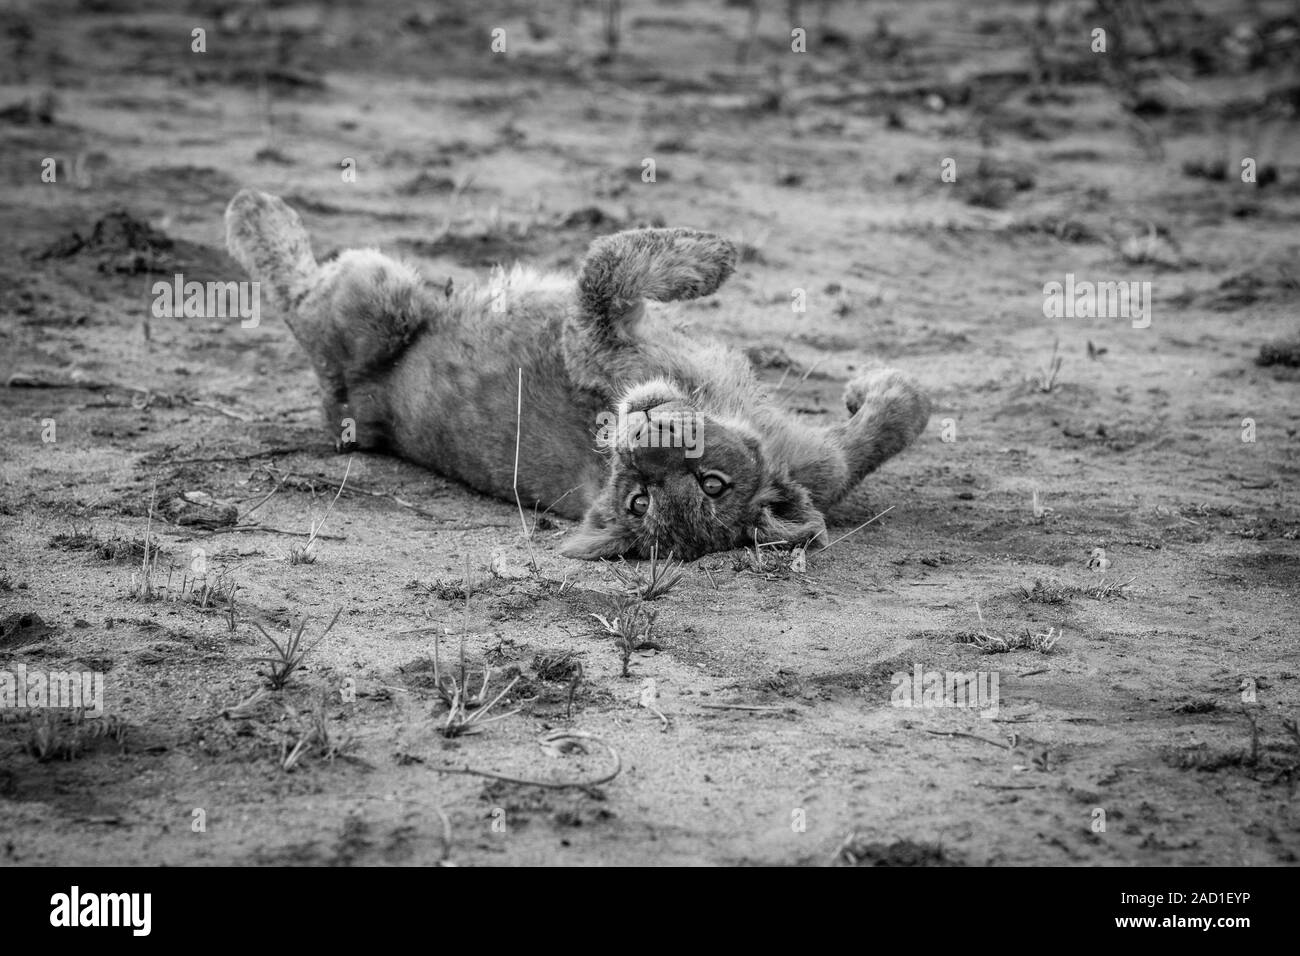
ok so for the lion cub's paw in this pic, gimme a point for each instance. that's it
(706, 261)
(890, 395)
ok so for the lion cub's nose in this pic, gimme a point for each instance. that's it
(655, 446)
(657, 431)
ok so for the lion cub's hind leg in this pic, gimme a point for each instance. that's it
(367, 310)
(354, 316)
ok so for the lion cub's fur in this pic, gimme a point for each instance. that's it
(431, 374)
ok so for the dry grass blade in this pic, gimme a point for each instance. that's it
(859, 528)
(303, 555)
(142, 589)
(519, 421)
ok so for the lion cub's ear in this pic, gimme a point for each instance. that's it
(787, 514)
(601, 535)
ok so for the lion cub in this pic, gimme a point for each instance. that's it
(649, 435)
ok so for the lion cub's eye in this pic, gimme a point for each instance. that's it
(638, 504)
(713, 484)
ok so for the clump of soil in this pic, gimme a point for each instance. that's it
(17, 630)
(121, 243)
(1282, 352)
(855, 852)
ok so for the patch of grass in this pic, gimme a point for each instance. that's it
(142, 587)
(1054, 592)
(1106, 589)
(112, 548)
(56, 736)
(1147, 249)
(631, 624)
(555, 667)
(212, 593)
(316, 739)
(1049, 592)
(766, 557)
(290, 655)
(661, 579)
(1046, 380)
(466, 712)
(446, 590)
(1280, 758)
(1043, 642)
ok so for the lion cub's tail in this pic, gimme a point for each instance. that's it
(267, 238)
(660, 264)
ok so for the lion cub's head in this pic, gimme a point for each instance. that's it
(690, 482)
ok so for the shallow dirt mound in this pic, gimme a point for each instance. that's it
(121, 242)
(1283, 352)
(899, 853)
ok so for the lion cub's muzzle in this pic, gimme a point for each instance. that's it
(661, 439)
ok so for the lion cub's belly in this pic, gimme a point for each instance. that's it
(455, 410)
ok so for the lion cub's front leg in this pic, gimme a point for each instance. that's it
(601, 349)
(888, 411)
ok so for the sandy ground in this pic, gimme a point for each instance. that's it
(826, 166)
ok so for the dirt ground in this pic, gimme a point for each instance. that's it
(1164, 702)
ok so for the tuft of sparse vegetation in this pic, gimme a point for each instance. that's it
(142, 588)
(1046, 380)
(632, 624)
(766, 557)
(1043, 642)
(1047, 592)
(56, 736)
(1054, 592)
(1106, 589)
(449, 590)
(1149, 248)
(555, 667)
(661, 579)
(316, 739)
(304, 554)
(111, 548)
(209, 594)
(1281, 759)
(467, 713)
(290, 655)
